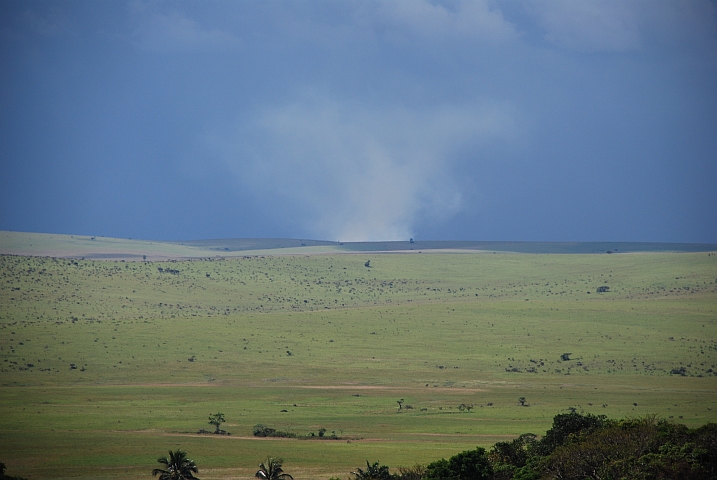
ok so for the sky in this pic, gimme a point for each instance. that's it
(556, 120)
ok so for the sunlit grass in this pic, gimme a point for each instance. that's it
(335, 344)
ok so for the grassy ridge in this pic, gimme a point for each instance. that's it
(532, 247)
(336, 344)
(79, 246)
(117, 290)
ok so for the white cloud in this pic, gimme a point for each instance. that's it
(589, 25)
(435, 20)
(360, 173)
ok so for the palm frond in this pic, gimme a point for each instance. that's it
(271, 470)
(179, 467)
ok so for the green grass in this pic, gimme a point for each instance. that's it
(436, 330)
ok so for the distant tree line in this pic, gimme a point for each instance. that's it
(261, 430)
(168, 270)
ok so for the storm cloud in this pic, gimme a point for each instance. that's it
(378, 120)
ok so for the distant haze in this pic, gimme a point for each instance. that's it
(360, 121)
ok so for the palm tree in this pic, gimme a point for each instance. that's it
(179, 467)
(372, 472)
(271, 470)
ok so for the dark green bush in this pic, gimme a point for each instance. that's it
(468, 465)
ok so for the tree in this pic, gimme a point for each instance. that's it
(179, 467)
(514, 453)
(263, 431)
(468, 465)
(3, 467)
(641, 448)
(271, 470)
(565, 425)
(372, 472)
(216, 419)
(417, 472)
(440, 469)
(471, 465)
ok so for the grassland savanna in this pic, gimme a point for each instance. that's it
(106, 365)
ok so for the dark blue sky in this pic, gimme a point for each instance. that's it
(360, 120)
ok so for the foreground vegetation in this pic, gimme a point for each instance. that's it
(580, 447)
(575, 447)
(104, 363)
